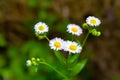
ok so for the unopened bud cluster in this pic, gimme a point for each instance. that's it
(33, 62)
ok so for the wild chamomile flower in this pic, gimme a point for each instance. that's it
(72, 47)
(74, 29)
(56, 44)
(41, 28)
(93, 21)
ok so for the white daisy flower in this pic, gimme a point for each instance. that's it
(93, 21)
(28, 63)
(56, 44)
(74, 29)
(72, 47)
(41, 28)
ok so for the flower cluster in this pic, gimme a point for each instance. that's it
(60, 44)
(91, 24)
(75, 46)
(70, 46)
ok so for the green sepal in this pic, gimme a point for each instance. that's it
(40, 36)
(60, 57)
(78, 67)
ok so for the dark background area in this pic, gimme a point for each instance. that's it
(18, 42)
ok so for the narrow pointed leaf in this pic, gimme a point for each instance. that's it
(78, 67)
(60, 57)
(73, 58)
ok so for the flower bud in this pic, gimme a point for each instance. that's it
(28, 63)
(38, 60)
(94, 32)
(33, 59)
(85, 26)
(98, 33)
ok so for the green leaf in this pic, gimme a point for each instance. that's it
(60, 57)
(78, 67)
(73, 58)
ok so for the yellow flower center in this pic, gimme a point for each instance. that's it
(57, 44)
(73, 47)
(41, 28)
(74, 29)
(93, 21)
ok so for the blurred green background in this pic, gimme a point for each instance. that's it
(18, 42)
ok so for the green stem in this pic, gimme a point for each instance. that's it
(47, 38)
(73, 37)
(60, 57)
(84, 41)
(69, 56)
(54, 69)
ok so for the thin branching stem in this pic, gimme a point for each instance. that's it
(54, 69)
(84, 41)
(47, 38)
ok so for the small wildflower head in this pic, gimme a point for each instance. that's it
(56, 44)
(41, 28)
(93, 21)
(73, 47)
(74, 29)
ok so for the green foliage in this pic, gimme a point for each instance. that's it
(62, 26)
(44, 4)
(117, 77)
(2, 61)
(73, 58)
(48, 17)
(32, 3)
(42, 15)
(3, 41)
(60, 57)
(17, 62)
(79, 66)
